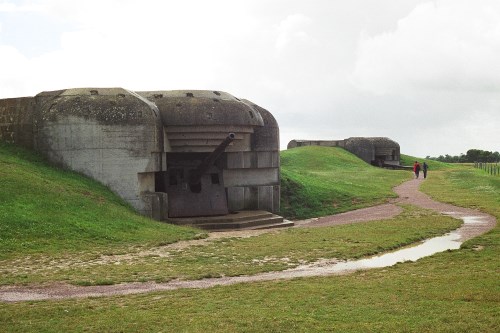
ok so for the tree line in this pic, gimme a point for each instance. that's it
(472, 155)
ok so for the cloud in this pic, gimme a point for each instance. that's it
(420, 69)
(291, 29)
(134, 44)
(10, 7)
(443, 45)
(15, 69)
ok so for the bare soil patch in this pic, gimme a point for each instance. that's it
(408, 194)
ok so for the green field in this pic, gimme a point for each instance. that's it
(51, 211)
(433, 165)
(454, 291)
(319, 181)
(95, 255)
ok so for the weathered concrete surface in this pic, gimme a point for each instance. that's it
(202, 108)
(245, 220)
(378, 151)
(196, 121)
(144, 145)
(16, 121)
(323, 143)
(375, 149)
(111, 135)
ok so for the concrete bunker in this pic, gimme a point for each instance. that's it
(378, 151)
(170, 154)
(195, 177)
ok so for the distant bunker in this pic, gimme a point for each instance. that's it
(378, 151)
(170, 154)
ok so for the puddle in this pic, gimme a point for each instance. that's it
(425, 249)
(473, 226)
(450, 241)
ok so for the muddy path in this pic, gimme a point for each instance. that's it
(475, 224)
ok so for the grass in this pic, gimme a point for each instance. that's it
(467, 187)
(235, 256)
(44, 210)
(433, 165)
(454, 291)
(400, 299)
(318, 181)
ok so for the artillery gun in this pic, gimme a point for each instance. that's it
(198, 190)
(196, 174)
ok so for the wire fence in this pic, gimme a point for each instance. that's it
(491, 168)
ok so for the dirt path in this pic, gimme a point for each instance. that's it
(408, 193)
(476, 224)
(380, 212)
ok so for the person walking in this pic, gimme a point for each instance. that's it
(416, 169)
(424, 169)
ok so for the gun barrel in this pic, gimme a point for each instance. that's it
(195, 176)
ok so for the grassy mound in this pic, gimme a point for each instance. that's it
(433, 165)
(272, 251)
(453, 291)
(48, 210)
(319, 181)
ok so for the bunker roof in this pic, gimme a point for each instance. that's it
(376, 141)
(203, 107)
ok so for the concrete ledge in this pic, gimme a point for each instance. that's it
(255, 219)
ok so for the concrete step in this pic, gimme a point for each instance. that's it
(247, 224)
(232, 217)
(243, 220)
(282, 224)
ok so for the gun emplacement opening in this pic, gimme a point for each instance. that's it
(195, 175)
(167, 153)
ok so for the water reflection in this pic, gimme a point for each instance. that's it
(427, 248)
(450, 241)
(473, 226)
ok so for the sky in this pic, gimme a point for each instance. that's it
(423, 73)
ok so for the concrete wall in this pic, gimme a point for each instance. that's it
(323, 143)
(253, 178)
(375, 150)
(110, 135)
(123, 139)
(362, 148)
(197, 121)
(16, 121)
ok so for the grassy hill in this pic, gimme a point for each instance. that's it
(320, 181)
(433, 165)
(453, 291)
(48, 210)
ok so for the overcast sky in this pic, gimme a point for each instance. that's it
(423, 73)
